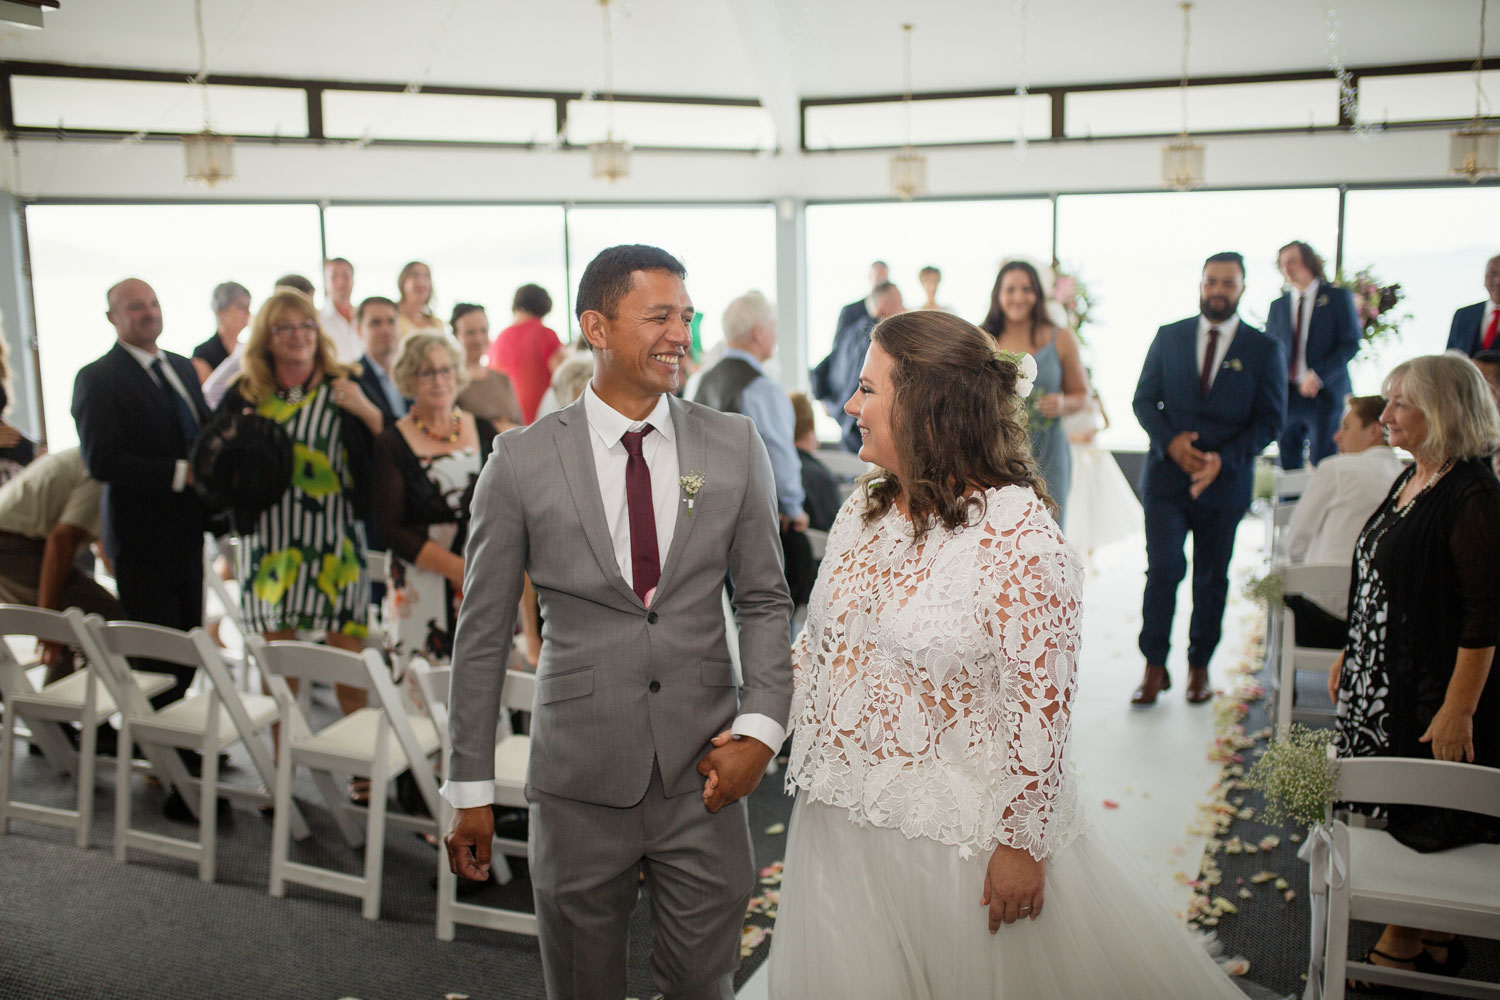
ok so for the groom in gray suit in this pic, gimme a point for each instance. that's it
(628, 509)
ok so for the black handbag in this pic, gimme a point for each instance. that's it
(241, 465)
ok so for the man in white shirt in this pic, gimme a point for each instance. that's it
(1344, 491)
(337, 317)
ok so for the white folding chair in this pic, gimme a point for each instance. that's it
(85, 697)
(512, 751)
(225, 603)
(1290, 484)
(1384, 881)
(184, 725)
(378, 742)
(1311, 578)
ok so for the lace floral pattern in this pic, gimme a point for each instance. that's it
(934, 679)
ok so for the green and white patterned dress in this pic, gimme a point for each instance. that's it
(303, 566)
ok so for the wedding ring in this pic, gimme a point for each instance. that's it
(1024, 908)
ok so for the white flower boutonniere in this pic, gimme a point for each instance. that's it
(1322, 300)
(691, 484)
(1233, 365)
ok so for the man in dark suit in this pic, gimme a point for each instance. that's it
(880, 273)
(1211, 395)
(1476, 328)
(138, 409)
(837, 376)
(1319, 332)
(376, 319)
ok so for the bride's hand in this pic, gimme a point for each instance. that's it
(1013, 885)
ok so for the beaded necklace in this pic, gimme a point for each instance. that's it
(295, 394)
(1404, 509)
(450, 438)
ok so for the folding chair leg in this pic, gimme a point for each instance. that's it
(279, 823)
(7, 765)
(208, 794)
(447, 882)
(375, 836)
(124, 753)
(87, 759)
(338, 800)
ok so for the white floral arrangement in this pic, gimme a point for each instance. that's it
(1296, 775)
(1025, 370)
(691, 484)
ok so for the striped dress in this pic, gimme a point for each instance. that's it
(303, 566)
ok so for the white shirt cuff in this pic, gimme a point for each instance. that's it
(761, 727)
(468, 794)
(179, 475)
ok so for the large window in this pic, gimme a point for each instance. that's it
(1141, 256)
(478, 254)
(1435, 244)
(183, 251)
(727, 250)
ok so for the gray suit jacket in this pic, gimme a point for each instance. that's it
(598, 724)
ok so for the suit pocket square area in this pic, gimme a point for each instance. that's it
(561, 687)
(715, 500)
(718, 673)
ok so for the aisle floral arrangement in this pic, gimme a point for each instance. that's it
(1071, 294)
(1375, 302)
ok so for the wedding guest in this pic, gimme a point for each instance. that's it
(837, 376)
(229, 369)
(929, 278)
(337, 318)
(378, 326)
(567, 382)
(1476, 328)
(231, 306)
(1019, 322)
(934, 684)
(297, 283)
(414, 305)
(1318, 329)
(528, 351)
(488, 394)
(1343, 493)
(819, 485)
(1211, 395)
(880, 274)
(1102, 508)
(1488, 363)
(16, 450)
(1416, 677)
(426, 464)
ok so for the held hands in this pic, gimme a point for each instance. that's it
(1310, 384)
(1451, 735)
(1013, 885)
(733, 768)
(1180, 450)
(799, 523)
(1051, 405)
(468, 843)
(1204, 477)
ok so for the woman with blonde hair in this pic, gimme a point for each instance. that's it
(414, 299)
(1414, 679)
(301, 564)
(934, 683)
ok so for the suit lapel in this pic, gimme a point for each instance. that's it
(145, 385)
(692, 450)
(1235, 353)
(577, 454)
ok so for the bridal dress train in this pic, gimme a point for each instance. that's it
(933, 689)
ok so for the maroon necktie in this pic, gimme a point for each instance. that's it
(1291, 362)
(1206, 377)
(645, 567)
(1490, 332)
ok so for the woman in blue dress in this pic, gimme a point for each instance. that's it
(1019, 323)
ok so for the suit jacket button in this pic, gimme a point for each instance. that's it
(655, 686)
(651, 618)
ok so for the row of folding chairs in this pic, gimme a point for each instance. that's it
(396, 732)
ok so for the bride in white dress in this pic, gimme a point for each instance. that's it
(937, 850)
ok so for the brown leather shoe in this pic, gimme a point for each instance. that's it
(1198, 690)
(1153, 683)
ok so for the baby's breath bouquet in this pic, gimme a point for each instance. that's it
(1266, 590)
(1265, 481)
(1296, 775)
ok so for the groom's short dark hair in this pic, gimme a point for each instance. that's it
(607, 278)
(1227, 257)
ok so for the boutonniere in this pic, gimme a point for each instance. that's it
(1322, 300)
(1233, 365)
(691, 484)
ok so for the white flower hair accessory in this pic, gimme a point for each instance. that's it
(1025, 370)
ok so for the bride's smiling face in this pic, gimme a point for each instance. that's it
(871, 406)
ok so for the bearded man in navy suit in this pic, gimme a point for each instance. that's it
(1211, 395)
(1319, 332)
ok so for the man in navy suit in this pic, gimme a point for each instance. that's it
(1476, 328)
(880, 273)
(1211, 395)
(376, 321)
(138, 409)
(1318, 329)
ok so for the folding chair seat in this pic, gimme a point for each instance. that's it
(85, 697)
(185, 725)
(512, 753)
(378, 742)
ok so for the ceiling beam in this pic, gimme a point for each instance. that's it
(768, 51)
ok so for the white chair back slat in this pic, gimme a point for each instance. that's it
(1315, 578)
(310, 662)
(1416, 782)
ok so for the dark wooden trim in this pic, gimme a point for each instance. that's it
(315, 113)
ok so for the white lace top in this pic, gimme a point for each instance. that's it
(934, 680)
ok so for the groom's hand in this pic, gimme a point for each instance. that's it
(468, 842)
(733, 768)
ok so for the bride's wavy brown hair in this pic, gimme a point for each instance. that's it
(956, 422)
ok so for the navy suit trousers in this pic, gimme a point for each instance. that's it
(1169, 520)
(1309, 422)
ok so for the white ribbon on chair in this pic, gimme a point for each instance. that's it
(1321, 854)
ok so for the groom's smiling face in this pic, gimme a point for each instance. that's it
(641, 348)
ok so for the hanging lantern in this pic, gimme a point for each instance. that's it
(210, 157)
(1182, 159)
(1474, 152)
(908, 174)
(610, 159)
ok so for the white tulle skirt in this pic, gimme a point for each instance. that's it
(1102, 507)
(868, 913)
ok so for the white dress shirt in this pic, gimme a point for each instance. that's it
(659, 448)
(1308, 298)
(346, 342)
(1343, 493)
(147, 360)
(1226, 337)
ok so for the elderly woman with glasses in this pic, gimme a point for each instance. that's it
(301, 564)
(426, 465)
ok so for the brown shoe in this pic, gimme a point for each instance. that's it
(1153, 683)
(1198, 690)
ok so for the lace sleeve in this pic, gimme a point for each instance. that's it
(841, 535)
(1032, 598)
